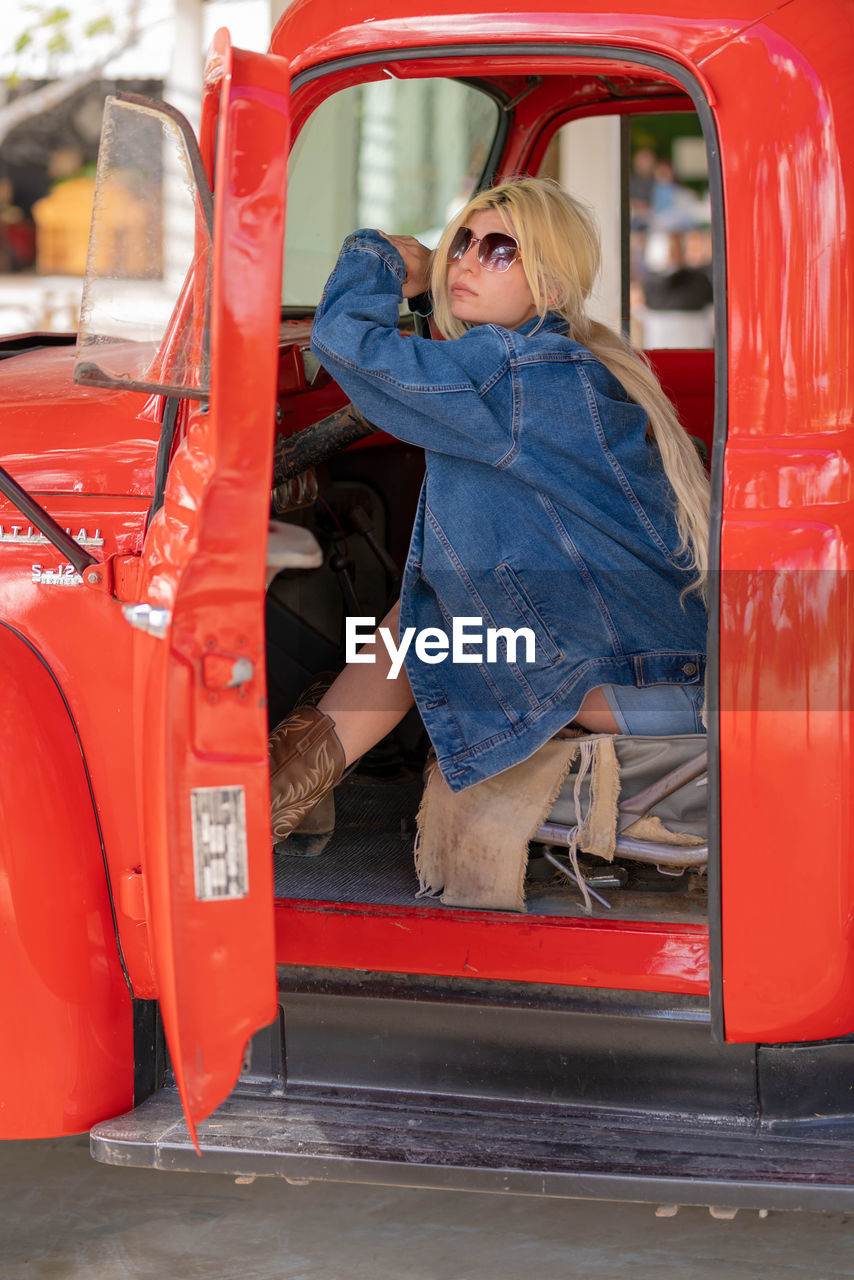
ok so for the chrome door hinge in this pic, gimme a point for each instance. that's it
(148, 617)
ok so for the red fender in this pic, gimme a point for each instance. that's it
(65, 1006)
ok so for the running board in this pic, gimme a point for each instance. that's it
(415, 1140)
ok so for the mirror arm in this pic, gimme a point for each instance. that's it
(37, 516)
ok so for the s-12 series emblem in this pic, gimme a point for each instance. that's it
(64, 575)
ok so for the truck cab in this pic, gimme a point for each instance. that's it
(200, 1001)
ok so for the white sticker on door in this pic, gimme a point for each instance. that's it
(219, 843)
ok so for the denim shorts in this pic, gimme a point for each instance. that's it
(657, 710)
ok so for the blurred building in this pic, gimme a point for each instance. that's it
(47, 162)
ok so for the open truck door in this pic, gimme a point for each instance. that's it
(199, 694)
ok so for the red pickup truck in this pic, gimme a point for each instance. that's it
(694, 1043)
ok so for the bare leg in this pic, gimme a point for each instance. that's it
(363, 702)
(595, 714)
(366, 705)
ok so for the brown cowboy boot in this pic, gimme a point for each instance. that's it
(306, 761)
(320, 820)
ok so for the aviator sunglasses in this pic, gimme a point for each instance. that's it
(496, 250)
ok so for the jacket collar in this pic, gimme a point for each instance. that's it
(552, 323)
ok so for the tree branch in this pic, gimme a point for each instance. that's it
(56, 91)
(40, 100)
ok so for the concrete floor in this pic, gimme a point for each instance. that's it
(63, 1217)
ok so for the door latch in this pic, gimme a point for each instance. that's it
(148, 617)
(226, 671)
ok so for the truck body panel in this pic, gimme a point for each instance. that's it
(393, 1013)
(66, 1004)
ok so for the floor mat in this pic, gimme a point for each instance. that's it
(369, 858)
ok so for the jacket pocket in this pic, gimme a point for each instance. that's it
(528, 612)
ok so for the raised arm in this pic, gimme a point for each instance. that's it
(433, 394)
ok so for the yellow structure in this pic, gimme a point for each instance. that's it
(126, 246)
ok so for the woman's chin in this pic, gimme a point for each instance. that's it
(461, 309)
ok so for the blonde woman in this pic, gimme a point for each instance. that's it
(564, 510)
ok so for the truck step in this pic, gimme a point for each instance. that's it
(487, 1145)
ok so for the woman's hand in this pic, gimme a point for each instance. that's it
(417, 260)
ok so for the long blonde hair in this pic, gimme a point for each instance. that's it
(560, 252)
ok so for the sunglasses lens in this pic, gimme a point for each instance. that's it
(460, 243)
(497, 251)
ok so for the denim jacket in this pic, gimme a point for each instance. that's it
(544, 507)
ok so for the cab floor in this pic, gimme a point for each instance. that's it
(369, 859)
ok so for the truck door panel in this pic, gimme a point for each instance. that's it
(204, 781)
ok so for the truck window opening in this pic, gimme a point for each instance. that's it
(359, 503)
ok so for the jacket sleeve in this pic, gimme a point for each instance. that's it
(425, 392)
